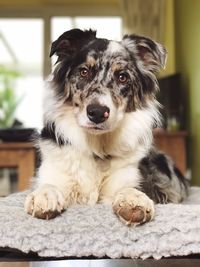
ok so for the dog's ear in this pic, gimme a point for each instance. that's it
(70, 42)
(151, 54)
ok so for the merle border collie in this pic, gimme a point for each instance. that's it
(97, 145)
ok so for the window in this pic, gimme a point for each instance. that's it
(21, 49)
(106, 27)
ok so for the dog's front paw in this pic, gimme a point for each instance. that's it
(46, 202)
(133, 207)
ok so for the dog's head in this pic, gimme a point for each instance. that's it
(103, 80)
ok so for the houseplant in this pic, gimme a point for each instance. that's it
(11, 130)
(8, 99)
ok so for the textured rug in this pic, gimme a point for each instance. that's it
(96, 231)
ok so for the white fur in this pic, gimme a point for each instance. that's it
(131, 198)
(114, 47)
(115, 115)
(73, 170)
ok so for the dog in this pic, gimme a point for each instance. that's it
(97, 144)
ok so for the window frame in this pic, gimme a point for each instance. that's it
(46, 13)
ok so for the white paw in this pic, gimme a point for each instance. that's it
(133, 206)
(45, 202)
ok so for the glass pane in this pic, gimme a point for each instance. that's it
(21, 49)
(8, 181)
(107, 27)
(60, 25)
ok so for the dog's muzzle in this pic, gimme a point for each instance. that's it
(97, 113)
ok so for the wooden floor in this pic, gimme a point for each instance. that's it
(108, 263)
(14, 264)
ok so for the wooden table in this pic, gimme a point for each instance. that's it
(173, 144)
(20, 156)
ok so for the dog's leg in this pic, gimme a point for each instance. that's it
(65, 177)
(131, 205)
(46, 202)
(49, 197)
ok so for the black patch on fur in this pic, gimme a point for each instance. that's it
(48, 133)
(94, 91)
(98, 45)
(148, 85)
(150, 179)
(181, 177)
(161, 163)
(125, 90)
(137, 38)
(178, 173)
(144, 84)
(71, 63)
(157, 177)
(70, 42)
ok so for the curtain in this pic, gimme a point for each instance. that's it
(144, 17)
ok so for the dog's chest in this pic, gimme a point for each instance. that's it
(104, 164)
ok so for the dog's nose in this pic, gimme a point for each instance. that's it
(97, 113)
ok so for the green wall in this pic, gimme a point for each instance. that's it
(169, 39)
(187, 47)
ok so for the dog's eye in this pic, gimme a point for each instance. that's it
(122, 77)
(84, 72)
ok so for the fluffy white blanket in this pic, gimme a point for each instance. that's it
(96, 231)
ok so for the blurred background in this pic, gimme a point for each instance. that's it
(27, 29)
